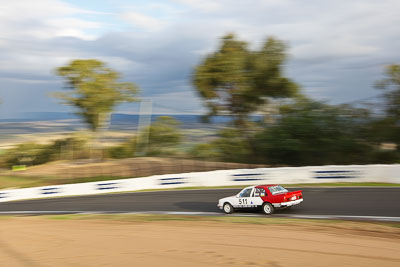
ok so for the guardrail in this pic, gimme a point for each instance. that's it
(285, 175)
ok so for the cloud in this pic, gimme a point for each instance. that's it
(42, 19)
(203, 6)
(166, 103)
(142, 21)
(337, 49)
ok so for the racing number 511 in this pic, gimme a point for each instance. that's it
(242, 201)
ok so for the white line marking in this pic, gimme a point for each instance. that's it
(296, 216)
(342, 217)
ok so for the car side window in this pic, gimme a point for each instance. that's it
(246, 192)
(260, 192)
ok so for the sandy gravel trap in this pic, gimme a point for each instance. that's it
(40, 241)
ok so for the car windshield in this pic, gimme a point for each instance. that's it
(277, 189)
(245, 192)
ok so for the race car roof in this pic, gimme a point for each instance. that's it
(265, 185)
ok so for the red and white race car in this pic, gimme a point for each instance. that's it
(266, 197)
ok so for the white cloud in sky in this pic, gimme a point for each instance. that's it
(143, 22)
(337, 48)
(42, 19)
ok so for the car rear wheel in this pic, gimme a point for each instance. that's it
(267, 208)
(228, 209)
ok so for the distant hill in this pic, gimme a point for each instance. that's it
(116, 118)
(42, 116)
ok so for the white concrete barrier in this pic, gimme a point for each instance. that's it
(284, 175)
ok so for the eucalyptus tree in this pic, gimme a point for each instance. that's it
(94, 90)
(237, 81)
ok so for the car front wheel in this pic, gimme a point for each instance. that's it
(228, 209)
(267, 208)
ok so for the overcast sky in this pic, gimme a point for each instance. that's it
(337, 48)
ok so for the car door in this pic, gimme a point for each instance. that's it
(257, 195)
(245, 198)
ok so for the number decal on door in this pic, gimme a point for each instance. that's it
(242, 201)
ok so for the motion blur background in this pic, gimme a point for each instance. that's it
(94, 90)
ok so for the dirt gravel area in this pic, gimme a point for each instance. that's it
(41, 241)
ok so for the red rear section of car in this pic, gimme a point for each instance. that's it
(290, 196)
(279, 198)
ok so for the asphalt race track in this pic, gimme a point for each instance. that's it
(367, 201)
